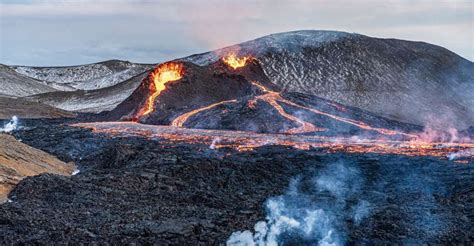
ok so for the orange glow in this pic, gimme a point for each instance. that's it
(180, 120)
(235, 62)
(247, 141)
(273, 97)
(162, 74)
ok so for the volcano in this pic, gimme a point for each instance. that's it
(224, 96)
(313, 85)
(412, 82)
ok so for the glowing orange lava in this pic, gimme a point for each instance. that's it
(180, 120)
(162, 74)
(235, 62)
(247, 141)
(273, 97)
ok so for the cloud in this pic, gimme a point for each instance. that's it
(177, 28)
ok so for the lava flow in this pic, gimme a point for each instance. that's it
(247, 141)
(162, 74)
(235, 62)
(180, 120)
(273, 98)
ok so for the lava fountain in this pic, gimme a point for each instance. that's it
(162, 74)
(236, 62)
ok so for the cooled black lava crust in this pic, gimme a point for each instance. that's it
(133, 190)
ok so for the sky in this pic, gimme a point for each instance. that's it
(69, 32)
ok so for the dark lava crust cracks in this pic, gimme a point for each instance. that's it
(132, 190)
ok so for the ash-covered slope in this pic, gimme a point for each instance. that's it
(94, 101)
(18, 160)
(408, 81)
(85, 77)
(18, 85)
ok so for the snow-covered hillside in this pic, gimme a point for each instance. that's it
(85, 77)
(93, 101)
(408, 81)
(14, 84)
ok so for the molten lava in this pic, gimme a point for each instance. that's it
(180, 120)
(273, 98)
(247, 141)
(235, 62)
(162, 74)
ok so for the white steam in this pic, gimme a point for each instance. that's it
(460, 154)
(214, 142)
(10, 126)
(316, 216)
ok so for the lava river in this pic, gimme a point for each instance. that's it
(247, 141)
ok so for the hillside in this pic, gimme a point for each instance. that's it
(18, 160)
(17, 85)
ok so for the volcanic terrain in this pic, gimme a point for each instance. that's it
(308, 137)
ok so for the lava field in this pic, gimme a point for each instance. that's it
(133, 189)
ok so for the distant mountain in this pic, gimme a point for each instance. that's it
(85, 88)
(85, 77)
(92, 101)
(414, 82)
(14, 84)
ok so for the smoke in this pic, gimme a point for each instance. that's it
(214, 142)
(75, 172)
(313, 210)
(442, 129)
(10, 126)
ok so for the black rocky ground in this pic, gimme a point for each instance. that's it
(133, 190)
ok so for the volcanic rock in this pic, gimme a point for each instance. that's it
(140, 191)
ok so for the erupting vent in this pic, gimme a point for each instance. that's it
(163, 74)
(235, 62)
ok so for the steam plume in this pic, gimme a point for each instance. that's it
(10, 126)
(312, 214)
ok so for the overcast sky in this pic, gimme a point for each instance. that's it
(68, 32)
